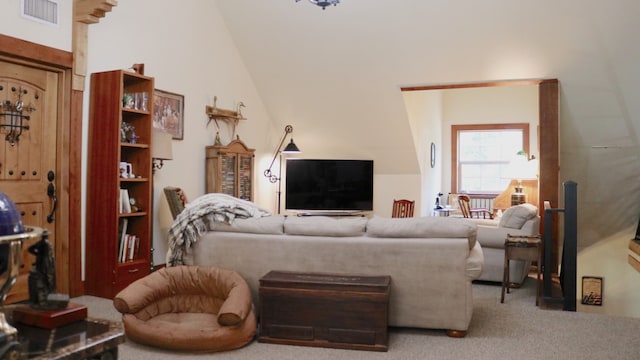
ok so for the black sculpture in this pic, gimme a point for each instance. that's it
(42, 277)
(438, 206)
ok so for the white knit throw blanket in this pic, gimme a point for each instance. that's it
(199, 214)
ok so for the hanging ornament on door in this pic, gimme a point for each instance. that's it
(12, 117)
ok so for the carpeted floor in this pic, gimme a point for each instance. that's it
(516, 329)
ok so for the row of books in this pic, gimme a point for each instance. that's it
(128, 244)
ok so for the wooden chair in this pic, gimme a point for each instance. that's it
(176, 199)
(464, 201)
(402, 208)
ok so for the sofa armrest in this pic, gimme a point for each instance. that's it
(531, 227)
(133, 298)
(475, 262)
(494, 236)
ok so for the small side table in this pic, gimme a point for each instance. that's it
(522, 247)
(444, 211)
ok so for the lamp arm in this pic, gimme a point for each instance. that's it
(287, 130)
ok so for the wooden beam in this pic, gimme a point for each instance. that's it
(91, 11)
(85, 12)
(30, 51)
(550, 157)
(471, 85)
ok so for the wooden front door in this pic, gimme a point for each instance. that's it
(28, 157)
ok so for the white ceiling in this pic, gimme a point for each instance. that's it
(335, 75)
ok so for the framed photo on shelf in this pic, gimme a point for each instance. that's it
(168, 113)
(592, 290)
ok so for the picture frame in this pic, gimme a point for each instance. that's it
(168, 113)
(592, 290)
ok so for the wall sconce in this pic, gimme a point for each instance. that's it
(291, 148)
(161, 148)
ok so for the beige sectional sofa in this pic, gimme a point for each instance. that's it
(521, 219)
(432, 261)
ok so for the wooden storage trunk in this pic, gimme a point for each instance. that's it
(326, 310)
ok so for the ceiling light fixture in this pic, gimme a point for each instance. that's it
(324, 4)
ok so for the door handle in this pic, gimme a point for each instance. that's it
(51, 192)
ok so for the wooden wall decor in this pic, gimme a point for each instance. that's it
(229, 170)
(85, 13)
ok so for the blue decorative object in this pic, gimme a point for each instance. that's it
(10, 224)
(10, 220)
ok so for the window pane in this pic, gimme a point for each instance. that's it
(483, 156)
(489, 145)
(482, 178)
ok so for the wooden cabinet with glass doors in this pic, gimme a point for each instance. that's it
(229, 170)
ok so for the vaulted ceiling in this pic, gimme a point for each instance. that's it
(336, 74)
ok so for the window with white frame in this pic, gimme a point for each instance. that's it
(43, 11)
(481, 154)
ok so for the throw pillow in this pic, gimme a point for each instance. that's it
(515, 216)
(324, 226)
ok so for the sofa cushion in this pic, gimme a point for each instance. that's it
(423, 227)
(325, 226)
(262, 225)
(515, 216)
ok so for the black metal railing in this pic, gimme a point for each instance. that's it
(567, 276)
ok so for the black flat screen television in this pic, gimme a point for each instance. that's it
(329, 185)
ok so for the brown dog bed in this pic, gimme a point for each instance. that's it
(195, 308)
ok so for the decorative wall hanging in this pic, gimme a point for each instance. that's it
(168, 113)
(232, 116)
(12, 115)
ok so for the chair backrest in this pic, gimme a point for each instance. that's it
(464, 202)
(176, 198)
(402, 208)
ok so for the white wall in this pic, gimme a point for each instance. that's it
(433, 112)
(424, 111)
(592, 52)
(386, 188)
(189, 53)
(621, 286)
(55, 36)
(199, 67)
(494, 105)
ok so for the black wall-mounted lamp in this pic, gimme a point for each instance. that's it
(291, 148)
